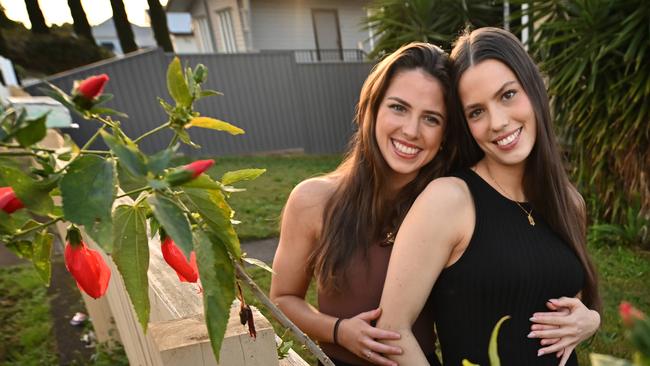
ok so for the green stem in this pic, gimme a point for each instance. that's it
(40, 226)
(96, 152)
(85, 147)
(17, 153)
(132, 192)
(173, 141)
(159, 128)
(14, 146)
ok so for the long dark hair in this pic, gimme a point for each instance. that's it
(360, 212)
(546, 183)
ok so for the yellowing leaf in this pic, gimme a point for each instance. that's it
(215, 124)
(493, 351)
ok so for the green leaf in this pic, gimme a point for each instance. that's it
(42, 254)
(88, 190)
(131, 255)
(215, 124)
(130, 157)
(177, 85)
(203, 181)
(493, 349)
(21, 248)
(216, 212)
(33, 132)
(160, 161)
(33, 196)
(258, 263)
(10, 223)
(209, 93)
(238, 175)
(218, 279)
(172, 218)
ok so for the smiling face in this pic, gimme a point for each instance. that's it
(410, 123)
(499, 113)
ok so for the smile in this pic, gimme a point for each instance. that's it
(509, 138)
(404, 149)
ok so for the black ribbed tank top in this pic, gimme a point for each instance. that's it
(509, 268)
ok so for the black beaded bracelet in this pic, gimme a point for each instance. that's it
(336, 330)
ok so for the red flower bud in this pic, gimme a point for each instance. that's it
(198, 167)
(188, 172)
(629, 313)
(93, 86)
(186, 271)
(9, 203)
(88, 268)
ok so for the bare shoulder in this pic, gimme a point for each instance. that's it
(313, 192)
(447, 192)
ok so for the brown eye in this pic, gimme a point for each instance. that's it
(397, 107)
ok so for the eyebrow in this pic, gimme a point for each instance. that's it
(402, 101)
(496, 94)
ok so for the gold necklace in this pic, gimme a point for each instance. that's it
(529, 214)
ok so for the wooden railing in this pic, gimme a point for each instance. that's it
(176, 334)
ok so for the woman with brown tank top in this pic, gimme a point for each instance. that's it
(339, 228)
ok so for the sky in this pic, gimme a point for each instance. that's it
(57, 11)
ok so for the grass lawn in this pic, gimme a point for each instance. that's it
(260, 206)
(26, 326)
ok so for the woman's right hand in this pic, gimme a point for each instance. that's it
(358, 336)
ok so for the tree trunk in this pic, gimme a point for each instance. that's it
(123, 27)
(159, 25)
(36, 17)
(81, 25)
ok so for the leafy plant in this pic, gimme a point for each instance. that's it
(638, 333)
(181, 202)
(633, 232)
(396, 22)
(597, 56)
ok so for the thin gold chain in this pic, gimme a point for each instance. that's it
(529, 214)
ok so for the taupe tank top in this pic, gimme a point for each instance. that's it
(365, 279)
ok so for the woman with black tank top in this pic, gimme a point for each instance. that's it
(503, 237)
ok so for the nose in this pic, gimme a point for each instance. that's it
(499, 119)
(411, 128)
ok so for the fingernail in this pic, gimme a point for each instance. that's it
(531, 335)
(540, 352)
(532, 319)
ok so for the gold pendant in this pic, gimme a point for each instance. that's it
(531, 221)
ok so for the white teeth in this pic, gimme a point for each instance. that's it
(510, 138)
(405, 149)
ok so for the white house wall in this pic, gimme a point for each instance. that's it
(214, 6)
(286, 25)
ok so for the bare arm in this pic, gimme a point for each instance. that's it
(427, 241)
(301, 226)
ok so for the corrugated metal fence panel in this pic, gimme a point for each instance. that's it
(259, 96)
(330, 92)
(280, 104)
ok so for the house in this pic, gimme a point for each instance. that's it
(324, 29)
(106, 36)
(180, 30)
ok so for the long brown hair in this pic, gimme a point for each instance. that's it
(360, 213)
(546, 183)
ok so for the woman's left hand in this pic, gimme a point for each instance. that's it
(562, 329)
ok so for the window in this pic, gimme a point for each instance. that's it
(226, 32)
(203, 34)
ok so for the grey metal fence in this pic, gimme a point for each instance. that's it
(280, 103)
